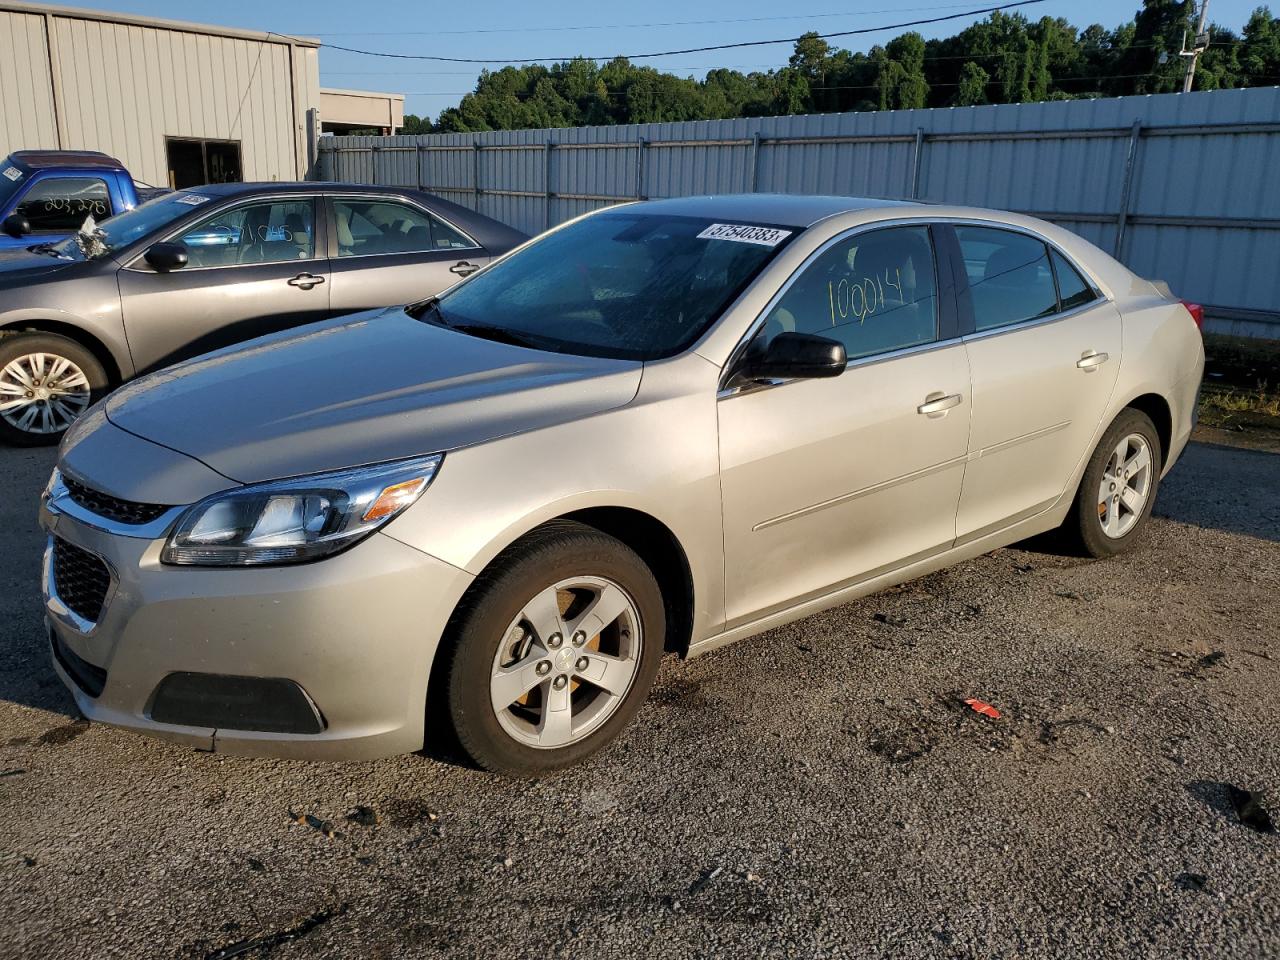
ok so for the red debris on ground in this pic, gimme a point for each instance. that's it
(986, 709)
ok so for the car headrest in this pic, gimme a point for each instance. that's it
(1004, 262)
(343, 222)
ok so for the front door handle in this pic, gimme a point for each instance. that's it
(938, 403)
(464, 269)
(306, 281)
(1091, 361)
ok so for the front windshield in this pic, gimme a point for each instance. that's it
(620, 284)
(124, 228)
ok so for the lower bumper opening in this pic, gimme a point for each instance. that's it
(263, 704)
(87, 677)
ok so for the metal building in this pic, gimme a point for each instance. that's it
(345, 111)
(179, 103)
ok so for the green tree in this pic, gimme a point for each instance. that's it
(973, 85)
(912, 91)
(1003, 59)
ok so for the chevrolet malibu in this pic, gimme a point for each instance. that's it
(661, 427)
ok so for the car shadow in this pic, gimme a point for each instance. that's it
(1220, 487)
(26, 670)
(1214, 486)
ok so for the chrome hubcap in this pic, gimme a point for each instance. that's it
(548, 693)
(1125, 486)
(42, 393)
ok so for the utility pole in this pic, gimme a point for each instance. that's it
(1198, 46)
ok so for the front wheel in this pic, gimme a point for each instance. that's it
(46, 381)
(554, 650)
(1119, 486)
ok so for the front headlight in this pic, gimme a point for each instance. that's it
(303, 518)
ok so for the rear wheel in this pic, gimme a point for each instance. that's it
(1119, 486)
(554, 650)
(46, 381)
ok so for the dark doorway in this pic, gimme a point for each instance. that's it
(194, 162)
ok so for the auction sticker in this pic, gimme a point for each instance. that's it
(13, 173)
(192, 199)
(744, 233)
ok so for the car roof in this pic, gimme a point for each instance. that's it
(486, 231)
(788, 210)
(293, 186)
(52, 159)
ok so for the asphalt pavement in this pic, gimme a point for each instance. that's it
(818, 791)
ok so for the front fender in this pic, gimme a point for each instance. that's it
(97, 317)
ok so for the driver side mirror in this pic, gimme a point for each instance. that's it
(794, 356)
(166, 256)
(16, 225)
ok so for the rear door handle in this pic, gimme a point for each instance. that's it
(464, 269)
(937, 404)
(1091, 361)
(306, 281)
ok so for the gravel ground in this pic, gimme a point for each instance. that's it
(820, 790)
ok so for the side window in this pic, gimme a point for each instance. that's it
(61, 204)
(268, 232)
(1009, 276)
(1072, 289)
(367, 227)
(874, 292)
(445, 237)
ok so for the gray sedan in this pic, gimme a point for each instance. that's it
(195, 270)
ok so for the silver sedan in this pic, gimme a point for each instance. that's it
(661, 427)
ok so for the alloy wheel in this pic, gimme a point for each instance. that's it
(42, 393)
(1125, 486)
(566, 662)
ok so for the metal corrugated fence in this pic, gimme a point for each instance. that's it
(1181, 187)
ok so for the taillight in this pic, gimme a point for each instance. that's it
(1197, 313)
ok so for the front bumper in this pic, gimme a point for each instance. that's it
(357, 632)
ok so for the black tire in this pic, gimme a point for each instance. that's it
(20, 345)
(1083, 526)
(556, 552)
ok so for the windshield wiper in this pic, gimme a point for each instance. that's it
(500, 335)
(428, 311)
(420, 310)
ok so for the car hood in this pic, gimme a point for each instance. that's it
(20, 266)
(361, 389)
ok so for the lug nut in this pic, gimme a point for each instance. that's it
(579, 638)
(560, 681)
(554, 641)
(543, 667)
(582, 664)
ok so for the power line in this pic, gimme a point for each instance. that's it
(676, 53)
(628, 26)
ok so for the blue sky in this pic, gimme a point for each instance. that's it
(506, 29)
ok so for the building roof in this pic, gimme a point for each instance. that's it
(105, 16)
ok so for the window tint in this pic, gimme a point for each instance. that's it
(1009, 276)
(63, 203)
(367, 227)
(1072, 290)
(268, 232)
(874, 292)
(617, 284)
